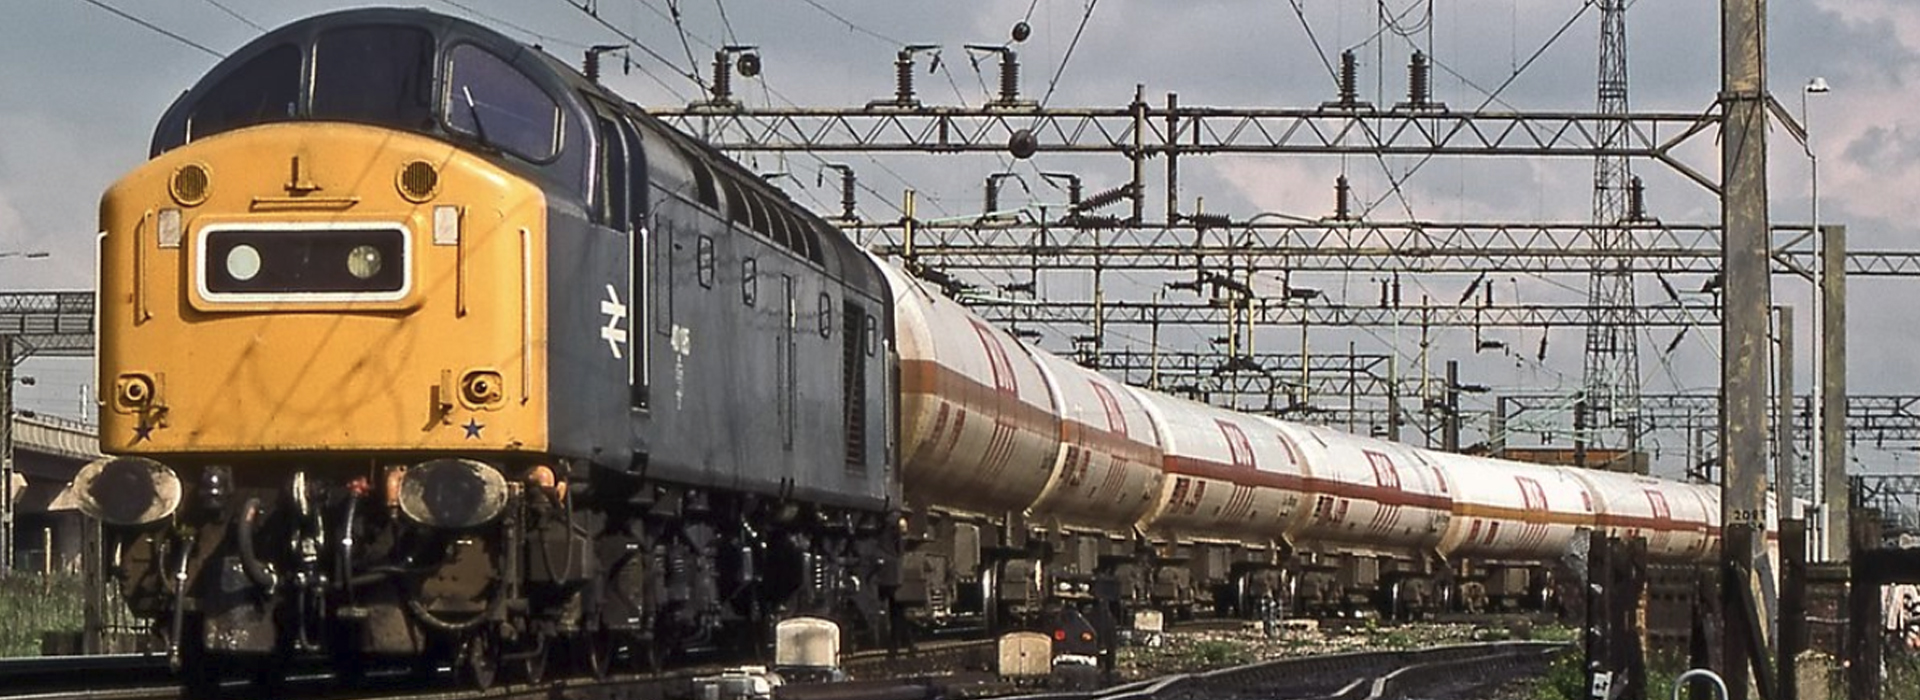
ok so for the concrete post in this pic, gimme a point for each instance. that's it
(1497, 430)
(1784, 467)
(6, 455)
(1748, 293)
(1450, 428)
(1833, 381)
(1393, 399)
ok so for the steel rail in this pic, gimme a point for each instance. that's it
(1351, 676)
(147, 677)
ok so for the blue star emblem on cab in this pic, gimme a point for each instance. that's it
(473, 428)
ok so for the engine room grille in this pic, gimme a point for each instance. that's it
(853, 382)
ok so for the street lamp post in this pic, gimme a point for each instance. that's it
(1815, 86)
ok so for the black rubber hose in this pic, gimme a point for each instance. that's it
(377, 574)
(430, 619)
(179, 606)
(256, 571)
(346, 547)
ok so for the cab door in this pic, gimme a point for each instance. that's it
(608, 271)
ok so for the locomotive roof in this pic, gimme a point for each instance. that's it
(559, 79)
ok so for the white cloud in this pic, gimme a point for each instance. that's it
(1900, 17)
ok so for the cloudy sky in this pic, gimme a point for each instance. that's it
(83, 86)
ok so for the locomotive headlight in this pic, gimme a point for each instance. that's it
(133, 391)
(481, 388)
(127, 490)
(452, 493)
(363, 261)
(243, 262)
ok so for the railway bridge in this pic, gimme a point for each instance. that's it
(39, 454)
(48, 525)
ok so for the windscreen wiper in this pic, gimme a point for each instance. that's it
(479, 127)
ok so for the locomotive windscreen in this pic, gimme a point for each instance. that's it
(375, 74)
(266, 89)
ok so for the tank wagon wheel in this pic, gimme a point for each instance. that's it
(1406, 608)
(479, 660)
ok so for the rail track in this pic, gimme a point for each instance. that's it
(147, 677)
(929, 671)
(1455, 671)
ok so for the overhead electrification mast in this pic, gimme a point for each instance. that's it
(1611, 379)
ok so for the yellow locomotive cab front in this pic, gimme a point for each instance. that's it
(325, 288)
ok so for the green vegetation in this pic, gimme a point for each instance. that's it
(1661, 671)
(1556, 633)
(1217, 653)
(1566, 678)
(31, 605)
(1399, 638)
(1902, 681)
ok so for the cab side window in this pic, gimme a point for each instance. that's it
(490, 100)
(637, 175)
(611, 187)
(620, 170)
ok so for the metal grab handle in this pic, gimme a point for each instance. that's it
(1718, 683)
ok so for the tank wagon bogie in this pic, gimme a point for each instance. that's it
(1512, 521)
(1232, 494)
(421, 345)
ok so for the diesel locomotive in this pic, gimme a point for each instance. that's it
(419, 344)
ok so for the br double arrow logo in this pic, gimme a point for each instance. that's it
(616, 312)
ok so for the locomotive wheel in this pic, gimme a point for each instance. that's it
(593, 650)
(479, 660)
(533, 668)
(344, 656)
(426, 664)
(199, 677)
(651, 657)
(270, 672)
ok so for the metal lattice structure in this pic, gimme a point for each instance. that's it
(1201, 283)
(1611, 370)
(1272, 312)
(1353, 246)
(1147, 131)
(48, 324)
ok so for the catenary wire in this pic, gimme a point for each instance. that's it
(231, 13)
(163, 31)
